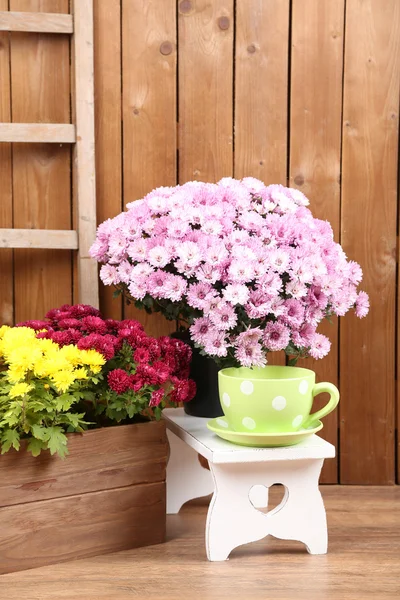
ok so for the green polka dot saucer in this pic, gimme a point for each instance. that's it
(221, 427)
(270, 406)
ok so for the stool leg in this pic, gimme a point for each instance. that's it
(186, 478)
(303, 516)
(232, 520)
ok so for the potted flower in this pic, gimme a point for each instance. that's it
(244, 266)
(92, 388)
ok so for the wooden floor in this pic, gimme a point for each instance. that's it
(363, 561)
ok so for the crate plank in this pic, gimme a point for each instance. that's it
(61, 529)
(98, 459)
(317, 50)
(368, 229)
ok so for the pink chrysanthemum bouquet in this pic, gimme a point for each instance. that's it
(245, 265)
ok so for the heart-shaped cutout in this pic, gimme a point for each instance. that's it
(268, 500)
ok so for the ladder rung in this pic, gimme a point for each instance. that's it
(50, 239)
(53, 133)
(36, 22)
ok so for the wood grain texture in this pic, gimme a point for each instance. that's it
(84, 165)
(262, 58)
(41, 173)
(40, 23)
(149, 109)
(107, 80)
(368, 227)
(38, 238)
(261, 119)
(6, 256)
(37, 133)
(315, 147)
(205, 89)
(363, 561)
(100, 459)
(79, 526)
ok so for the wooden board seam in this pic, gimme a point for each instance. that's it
(80, 494)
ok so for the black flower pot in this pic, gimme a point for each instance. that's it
(204, 372)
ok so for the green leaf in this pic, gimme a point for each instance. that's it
(35, 446)
(10, 418)
(57, 441)
(148, 302)
(64, 402)
(116, 293)
(39, 432)
(10, 438)
(73, 419)
(292, 362)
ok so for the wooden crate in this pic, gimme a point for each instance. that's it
(107, 495)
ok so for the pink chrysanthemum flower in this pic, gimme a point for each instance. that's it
(174, 288)
(236, 293)
(215, 344)
(251, 355)
(362, 305)
(199, 293)
(224, 317)
(109, 275)
(276, 336)
(320, 346)
(200, 330)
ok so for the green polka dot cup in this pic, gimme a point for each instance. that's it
(272, 399)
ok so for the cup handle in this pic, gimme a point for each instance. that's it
(332, 404)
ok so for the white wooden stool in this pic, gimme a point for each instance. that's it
(240, 477)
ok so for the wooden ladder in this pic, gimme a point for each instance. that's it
(80, 26)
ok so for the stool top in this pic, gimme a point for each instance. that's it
(194, 431)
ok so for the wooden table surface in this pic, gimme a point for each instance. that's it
(363, 561)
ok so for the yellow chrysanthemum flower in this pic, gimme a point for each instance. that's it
(63, 380)
(92, 358)
(15, 374)
(24, 357)
(81, 373)
(20, 389)
(14, 338)
(3, 329)
(43, 368)
(72, 354)
(54, 362)
(47, 346)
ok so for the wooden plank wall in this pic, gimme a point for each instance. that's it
(368, 233)
(303, 92)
